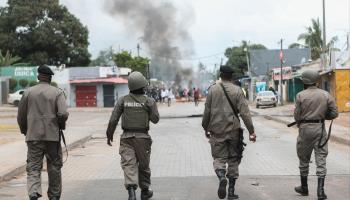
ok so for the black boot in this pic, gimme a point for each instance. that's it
(131, 192)
(146, 194)
(303, 189)
(34, 196)
(221, 173)
(231, 189)
(320, 189)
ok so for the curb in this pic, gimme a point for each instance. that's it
(333, 138)
(21, 169)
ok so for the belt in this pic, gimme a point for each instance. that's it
(311, 121)
(135, 130)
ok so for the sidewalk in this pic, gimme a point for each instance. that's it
(284, 114)
(13, 149)
(82, 124)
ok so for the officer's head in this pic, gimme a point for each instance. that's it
(310, 77)
(226, 73)
(136, 82)
(45, 73)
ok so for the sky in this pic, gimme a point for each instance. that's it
(216, 25)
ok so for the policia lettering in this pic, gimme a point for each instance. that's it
(136, 110)
(312, 107)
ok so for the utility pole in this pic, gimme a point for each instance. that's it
(281, 80)
(324, 57)
(138, 50)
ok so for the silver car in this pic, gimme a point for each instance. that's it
(266, 98)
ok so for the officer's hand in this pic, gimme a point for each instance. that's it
(207, 134)
(252, 137)
(109, 139)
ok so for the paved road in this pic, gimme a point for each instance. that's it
(182, 166)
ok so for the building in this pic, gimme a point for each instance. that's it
(91, 86)
(83, 86)
(263, 62)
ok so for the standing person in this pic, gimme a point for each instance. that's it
(196, 96)
(136, 110)
(42, 112)
(170, 96)
(222, 127)
(163, 93)
(312, 107)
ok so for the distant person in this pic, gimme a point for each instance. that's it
(42, 113)
(221, 124)
(163, 94)
(170, 96)
(312, 107)
(136, 110)
(196, 95)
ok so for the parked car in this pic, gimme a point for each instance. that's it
(15, 97)
(266, 98)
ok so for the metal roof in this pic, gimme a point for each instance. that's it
(262, 61)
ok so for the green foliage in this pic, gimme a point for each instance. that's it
(13, 84)
(43, 32)
(54, 84)
(125, 59)
(313, 38)
(237, 57)
(23, 83)
(8, 59)
(104, 58)
(295, 46)
(33, 83)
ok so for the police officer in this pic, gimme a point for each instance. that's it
(313, 106)
(222, 128)
(40, 111)
(136, 110)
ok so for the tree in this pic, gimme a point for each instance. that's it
(125, 59)
(237, 57)
(43, 32)
(104, 58)
(23, 83)
(295, 46)
(313, 38)
(8, 59)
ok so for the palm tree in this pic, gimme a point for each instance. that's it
(313, 38)
(8, 59)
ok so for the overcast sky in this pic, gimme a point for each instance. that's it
(215, 25)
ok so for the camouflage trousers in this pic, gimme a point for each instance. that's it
(308, 141)
(135, 159)
(224, 152)
(53, 153)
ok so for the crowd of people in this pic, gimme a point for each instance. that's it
(166, 95)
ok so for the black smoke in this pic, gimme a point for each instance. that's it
(161, 28)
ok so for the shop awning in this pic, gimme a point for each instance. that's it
(114, 80)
